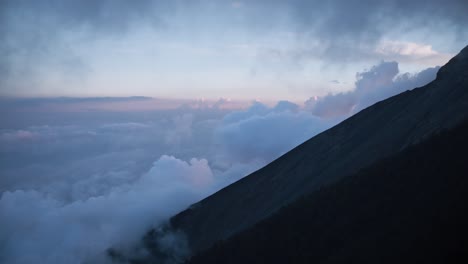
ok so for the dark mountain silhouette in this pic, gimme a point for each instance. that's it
(407, 208)
(379, 131)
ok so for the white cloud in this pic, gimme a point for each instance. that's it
(411, 52)
(380, 82)
(37, 228)
(405, 49)
(262, 133)
(80, 188)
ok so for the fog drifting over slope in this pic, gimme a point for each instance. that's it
(75, 184)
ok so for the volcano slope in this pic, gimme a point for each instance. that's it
(407, 208)
(379, 131)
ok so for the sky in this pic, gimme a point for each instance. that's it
(115, 115)
(244, 50)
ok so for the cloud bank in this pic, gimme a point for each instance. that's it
(37, 228)
(75, 184)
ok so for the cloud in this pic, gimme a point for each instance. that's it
(410, 51)
(39, 229)
(58, 205)
(393, 48)
(19, 135)
(283, 106)
(44, 228)
(347, 29)
(266, 133)
(28, 48)
(380, 82)
(75, 184)
(112, 151)
(340, 104)
(182, 129)
(343, 33)
(333, 31)
(256, 108)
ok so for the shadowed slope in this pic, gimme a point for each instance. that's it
(374, 133)
(408, 208)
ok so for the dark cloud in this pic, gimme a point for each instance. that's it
(35, 33)
(41, 34)
(103, 15)
(344, 32)
(345, 27)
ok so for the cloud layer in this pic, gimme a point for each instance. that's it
(78, 47)
(39, 228)
(74, 184)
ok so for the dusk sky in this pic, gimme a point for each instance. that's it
(266, 50)
(116, 114)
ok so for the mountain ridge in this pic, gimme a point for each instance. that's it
(406, 208)
(374, 133)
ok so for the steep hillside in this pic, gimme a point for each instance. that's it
(374, 133)
(408, 208)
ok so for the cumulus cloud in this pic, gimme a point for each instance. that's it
(381, 81)
(283, 106)
(265, 133)
(59, 205)
(41, 229)
(340, 104)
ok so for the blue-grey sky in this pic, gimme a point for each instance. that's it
(267, 50)
(137, 111)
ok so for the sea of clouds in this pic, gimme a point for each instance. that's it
(74, 184)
